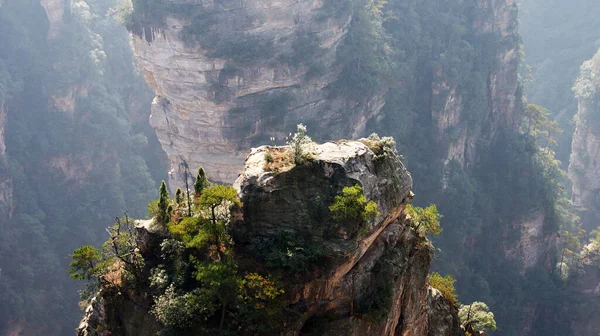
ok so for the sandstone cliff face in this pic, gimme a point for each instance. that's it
(210, 110)
(497, 20)
(584, 167)
(442, 316)
(387, 252)
(534, 246)
(584, 174)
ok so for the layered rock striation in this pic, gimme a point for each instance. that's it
(384, 259)
(229, 75)
(233, 74)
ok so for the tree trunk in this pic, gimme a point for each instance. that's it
(222, 317)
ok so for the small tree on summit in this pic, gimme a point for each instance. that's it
(215, 196)
(163, 204)
(297, 143)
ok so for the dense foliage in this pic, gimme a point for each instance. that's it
(75, 130)
(196, 283)
(513, 179)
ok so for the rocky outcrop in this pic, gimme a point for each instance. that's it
(584, 167)
(209, 109)
(117, 313)
(443, 318)
(584, 174)
(297, 201)
(384, 259)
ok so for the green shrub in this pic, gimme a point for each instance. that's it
(352, 209)
(425, 220)
(445, 285)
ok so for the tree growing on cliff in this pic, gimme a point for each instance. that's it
(178, 196)
(425, 220)
(353, 208)
(539, 125)
(163, 204)
(218, 195)
(446, 286)
(476, 318)
(85, 263)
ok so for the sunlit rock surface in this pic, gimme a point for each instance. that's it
(294, 198)
(209, 111)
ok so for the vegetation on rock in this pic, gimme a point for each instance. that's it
(196, 283)
(298, 143)
(352, 210)
(425, 220)
(476, 318)
(76, 107)
(446, 286)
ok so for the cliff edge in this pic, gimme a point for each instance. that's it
(366, 276)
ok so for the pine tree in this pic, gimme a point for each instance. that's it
(163, 204)
(201, 182)
(178, 196)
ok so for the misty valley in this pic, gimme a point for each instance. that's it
(299, 167)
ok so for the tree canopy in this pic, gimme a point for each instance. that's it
(476, 317)
(425, 220)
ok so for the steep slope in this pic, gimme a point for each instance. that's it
(69, 151)
(584, 168)
(370, 279)
(440, 76)
(228, 75)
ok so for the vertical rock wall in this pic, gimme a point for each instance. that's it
(210, 110)
(496, 21)
(584, 167)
